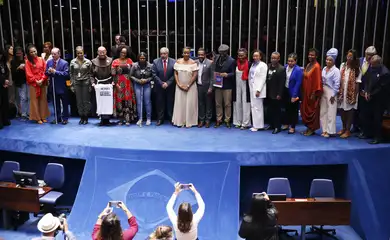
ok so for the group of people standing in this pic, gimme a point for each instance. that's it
(187, 90)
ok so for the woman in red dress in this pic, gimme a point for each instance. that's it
(311, 92)
(124, 97)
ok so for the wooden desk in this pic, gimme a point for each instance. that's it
(20, 198)
(313, 212)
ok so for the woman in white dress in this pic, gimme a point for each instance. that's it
(258, 91)
(351, 77)
(185, 110)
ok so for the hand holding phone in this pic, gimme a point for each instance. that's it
(185, 186)
(114, 204)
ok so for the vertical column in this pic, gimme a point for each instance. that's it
(296, 28)
(231, 27)
(166, 24)
(175, 29)
(259, 25)
(286, 36)
(41, 17)
(128, 19)
(354, 24)
(10, 22)
(239, 25)
(212, 25)
(221, 37)
(277, 26)
(81, 24)
(32, 22)
(158, 29)
(324, 32)
(71, 27)
(119, 17)
(139, 27)
(21, 22)
(62, 28)
(305, 35)
(1, 31)
(100, 23)
(51, 23)
(376, 19)
(336, 10)
(345, 26)
(203, 22)
(147, 29)
(365, 26)
(315, 24)
(185, 22)
(385, 30)
(249, 25)
(194, 33)
(110, 21)
(268, 38)
(90, 21)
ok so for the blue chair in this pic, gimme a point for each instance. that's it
(54, 177)
(322, 188)
(281, 186)
(7, 171)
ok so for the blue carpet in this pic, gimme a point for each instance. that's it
(140, 165)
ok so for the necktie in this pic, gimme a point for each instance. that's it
(364, 68)
(54, 64)
(165, 68)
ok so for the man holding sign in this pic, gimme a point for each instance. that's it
(224, 81)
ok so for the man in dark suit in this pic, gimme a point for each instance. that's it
(276, 80)
(205, 89)
(224, 67)
(114, 48)
(57, 70)
(376, 95)
(164, 85)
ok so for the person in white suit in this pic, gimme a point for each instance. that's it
(258, 91)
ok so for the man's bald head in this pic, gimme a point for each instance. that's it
(55, 53)
(102, 52)
(376, 61)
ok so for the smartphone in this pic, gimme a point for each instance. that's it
(114, 204)
(185, 186)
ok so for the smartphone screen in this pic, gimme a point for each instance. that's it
(185, 186)
(114, 204)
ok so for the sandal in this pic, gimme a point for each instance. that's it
(291, 131)
(341, 132)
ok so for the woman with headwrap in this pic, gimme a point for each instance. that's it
(331, 85)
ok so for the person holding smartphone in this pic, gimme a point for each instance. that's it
(108, 225)
(185, 223)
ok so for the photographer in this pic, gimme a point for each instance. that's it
(261, 222)
(50, 225)
(108, 225)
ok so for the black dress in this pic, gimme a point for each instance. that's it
(4, 104)
(264, 230)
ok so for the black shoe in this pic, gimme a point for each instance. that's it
(102, 123)
(85, 121)
(200, 124)
(362, 136)
(355, 130)
(159, 123)
(276, 130)
(54, 121)
(375, 141)
(228, 125)
(207, 124)
(81, 121)
(217, 124)
(269, 127)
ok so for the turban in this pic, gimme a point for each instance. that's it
(333, 52)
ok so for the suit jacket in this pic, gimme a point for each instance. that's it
(60, 76)
(229, 67)
(158, 72)
(377, 81)
(260, 78)
(276, 80)
(296, 77)
(207, 73)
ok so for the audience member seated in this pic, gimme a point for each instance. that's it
(50, 225)
(186, 223)
(261, 222)
(108, 225)
(162, 233)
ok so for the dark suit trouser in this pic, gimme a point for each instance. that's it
(205, 104)
(4, 107)
(372, 117)
(164, 101)
(83, 97)
(357, 122)
(275, 113)
(65, 106)
(291, 109)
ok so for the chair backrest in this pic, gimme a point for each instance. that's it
(279, 186)
(7, 171)
(54, 175)
(322, 188)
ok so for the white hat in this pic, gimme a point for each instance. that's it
(48, 223)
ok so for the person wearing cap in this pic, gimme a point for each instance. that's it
(49, 225)
(224, 67)
(331, 86)
(376, 92)
(364, 66)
